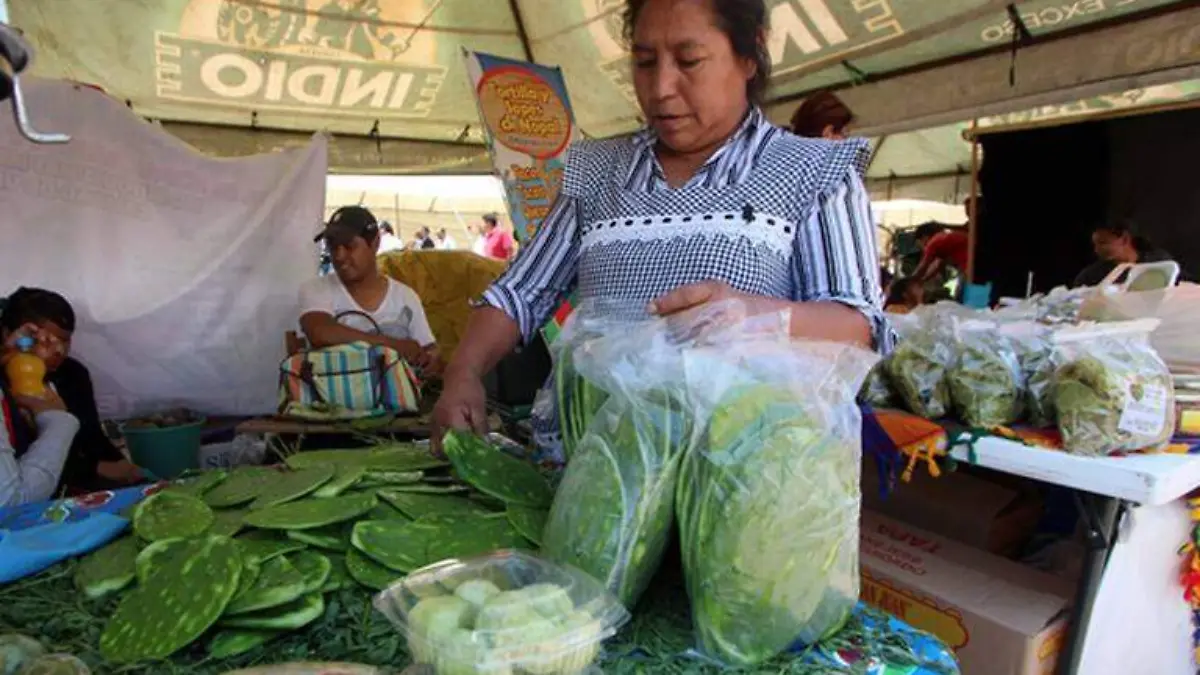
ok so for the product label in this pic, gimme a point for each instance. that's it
(1145, 410)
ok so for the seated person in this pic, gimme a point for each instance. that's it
(904, 295)
(356, 285)
(1116, 244)
(56, 442)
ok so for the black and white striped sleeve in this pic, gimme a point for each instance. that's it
(836, 257)
(534, 286)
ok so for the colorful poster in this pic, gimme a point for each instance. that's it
(528, 124)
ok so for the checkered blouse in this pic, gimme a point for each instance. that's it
(770, 213)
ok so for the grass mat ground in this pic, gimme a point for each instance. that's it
(48, 608)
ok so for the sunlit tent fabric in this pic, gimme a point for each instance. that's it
(387, 76)
(182, 269)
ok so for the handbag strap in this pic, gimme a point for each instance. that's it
(355, 312)
(306, 376)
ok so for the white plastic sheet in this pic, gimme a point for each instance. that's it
(183, 270)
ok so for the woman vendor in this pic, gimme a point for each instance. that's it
(709, 202)
(56, 442)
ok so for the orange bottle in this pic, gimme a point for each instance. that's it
(26, 372)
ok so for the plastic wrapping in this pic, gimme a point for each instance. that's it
(877, 390)
(1035, 353)
(986, 381)
(614, 507)
(918, 365)
(578, 400)
(502, 613)
(1112, 391)
(768, 500)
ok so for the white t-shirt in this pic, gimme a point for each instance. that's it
(448, 244)
(400, 315)
(389, 243)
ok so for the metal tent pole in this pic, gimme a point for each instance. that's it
(15, 55)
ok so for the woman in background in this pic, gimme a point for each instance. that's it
(822, 115)
(1114, 244)
(904, 295)
(91, 461)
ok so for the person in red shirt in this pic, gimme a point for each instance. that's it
(497, 242)
(942, 246)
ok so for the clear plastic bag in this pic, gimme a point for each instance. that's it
(502, 613)
(1112, 391)
(877, 390)
(918, 365)
(626, 400)
(1034, 347)
(986, 382)
(768, 500)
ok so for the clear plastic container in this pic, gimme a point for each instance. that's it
(504, 613)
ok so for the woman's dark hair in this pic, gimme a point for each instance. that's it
(36, 305)
(822, 109)
(928, 229)
(1119, 227)
(744, 22)
(885, 277)
(897, 294)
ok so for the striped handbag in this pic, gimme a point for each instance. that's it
(347, 381)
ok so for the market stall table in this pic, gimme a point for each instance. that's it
(414, 426)
(1129, 614)
(48, 607)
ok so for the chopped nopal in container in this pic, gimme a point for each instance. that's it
(507, 612)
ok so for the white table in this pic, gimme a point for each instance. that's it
(1145, 480)
(1135, 521)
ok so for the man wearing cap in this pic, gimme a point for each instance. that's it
(353, 237)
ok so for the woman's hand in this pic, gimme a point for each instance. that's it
(462, 406)
(693, 295)
(40, 404)
(120, 471)
(431, 362)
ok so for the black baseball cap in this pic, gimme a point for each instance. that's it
(347, 223)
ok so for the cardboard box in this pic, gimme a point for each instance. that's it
(1000, 617)
(964, 507)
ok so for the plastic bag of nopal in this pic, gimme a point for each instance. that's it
(918, 365)
(986, 382)
(1112, 391)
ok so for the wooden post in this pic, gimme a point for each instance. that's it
(972, 217)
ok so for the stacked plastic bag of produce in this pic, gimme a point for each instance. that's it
(746, 437)
(1112, 391)
(918, 366)
(985, 381)
(1103, 385)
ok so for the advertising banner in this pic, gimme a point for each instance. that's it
(528, 125)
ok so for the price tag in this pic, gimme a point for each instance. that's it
(1144, 415)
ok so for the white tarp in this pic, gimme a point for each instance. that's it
(183, 270)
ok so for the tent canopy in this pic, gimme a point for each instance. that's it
(386, 77)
